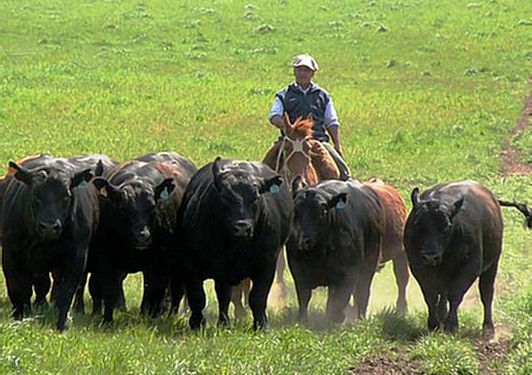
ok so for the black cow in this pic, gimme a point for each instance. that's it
(454, 235)
(100, 165)
(336, 241)
(137, 222)
(234, 220)
(50, 213)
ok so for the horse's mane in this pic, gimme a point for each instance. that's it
(302, 127)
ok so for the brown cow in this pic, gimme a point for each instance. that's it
(392, 249)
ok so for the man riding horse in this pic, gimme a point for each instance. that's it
(302, 99)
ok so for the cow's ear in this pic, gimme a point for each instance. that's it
(339, 201)
(272, 185)
(21, 173)
(297, 184)
(458, 205)
(105, 189)
(164, 189)
(81, 179)
(216, 171)
(414, 197)
(98, 171)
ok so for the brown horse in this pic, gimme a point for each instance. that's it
(299, 154)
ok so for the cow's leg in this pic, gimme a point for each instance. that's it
(72, 275)
(95, 290)
(177, 290)
(486, 282)
(458, 288)
(362, 289)
(79, 303)
(41, 285)
(223, 294)
(304, 293)
(443, 307)
(196, 301)
(402, 275)
(110, 282)
(19, 292)
(258, 297)
(155, 283)
(430, 294)
(121, 298)
(338, 299)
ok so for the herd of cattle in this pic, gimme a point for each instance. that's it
(92, 219)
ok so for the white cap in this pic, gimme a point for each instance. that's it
(305, 60)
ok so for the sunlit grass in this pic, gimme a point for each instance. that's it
(426, 92)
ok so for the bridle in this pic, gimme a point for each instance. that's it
(297, 147)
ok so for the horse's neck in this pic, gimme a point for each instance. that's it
(323, 162)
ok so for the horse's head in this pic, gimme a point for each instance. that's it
(297, 148)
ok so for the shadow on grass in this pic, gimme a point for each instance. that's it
(385, 324)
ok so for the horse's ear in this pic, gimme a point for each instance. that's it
(286, 122)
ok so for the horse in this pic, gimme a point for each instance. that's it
(299, 154)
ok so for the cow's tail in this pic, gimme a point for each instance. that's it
(522, 207)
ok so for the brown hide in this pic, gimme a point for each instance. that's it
(395, 211)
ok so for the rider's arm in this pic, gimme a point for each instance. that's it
(276, 113)
(334, 132)
(332, 125)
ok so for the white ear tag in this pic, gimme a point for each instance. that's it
(165, 194)
(340, 205)
(274, 189)
(83, 184)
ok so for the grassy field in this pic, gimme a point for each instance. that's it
(426, 92)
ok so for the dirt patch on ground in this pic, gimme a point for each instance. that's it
(490, 356)
(381, 365)
(492, 352)
(510, 157)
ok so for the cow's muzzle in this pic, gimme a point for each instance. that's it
(49, 230)
(431, 259)
(243, 229)
(305, 243)
(143, 239)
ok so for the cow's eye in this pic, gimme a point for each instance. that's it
(36, 203)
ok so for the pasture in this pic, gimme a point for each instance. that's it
(426, 92)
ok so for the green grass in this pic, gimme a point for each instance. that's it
(426, 92)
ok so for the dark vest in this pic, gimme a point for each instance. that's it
(298, 104)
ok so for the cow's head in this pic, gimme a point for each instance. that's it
(240, 195)
(314, 211)
(50, 197)
(431, 226)
(134, 203)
